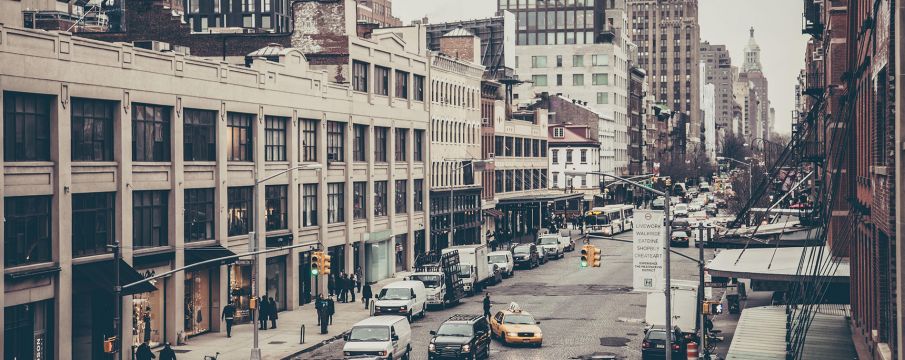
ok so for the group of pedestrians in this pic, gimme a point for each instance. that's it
(344, 286)
(267, 309)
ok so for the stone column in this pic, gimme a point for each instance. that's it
(175, 284)
(61, 215)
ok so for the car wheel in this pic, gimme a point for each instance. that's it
(409, 316)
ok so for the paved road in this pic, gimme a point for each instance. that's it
(583, 312)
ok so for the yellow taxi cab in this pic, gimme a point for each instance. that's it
(515, 326)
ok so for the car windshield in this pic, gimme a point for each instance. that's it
(370, 333)
(455, 330)
(497, 259)
(430, 281)
(522, 319)
(521, 250)
(395, 294)
(548, 241)
(681, 207)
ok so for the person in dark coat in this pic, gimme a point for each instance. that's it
(273, 312)
(343, 284)
(229, 314)
(331, 284)
(366, 294)
(263, 312)
(167, 353)
(320, 306)
(331, 309)
(353, 283)
(487, 305)
(144, 352)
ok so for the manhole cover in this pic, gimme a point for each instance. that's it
(614, 341)
(181, 351)
(597, 356)
(277, 342)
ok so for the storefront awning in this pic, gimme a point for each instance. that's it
(761, 331)
(533, 198)
(494, 212)
(774, 264)
(101, 274)
(199, 254)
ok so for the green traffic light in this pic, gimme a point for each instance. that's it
(584, 263)
(314, 272)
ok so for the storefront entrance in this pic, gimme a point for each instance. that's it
(305, 278)
(276, 281)
(240, 289)
(198, 302)
(27, 331)
(149, 322)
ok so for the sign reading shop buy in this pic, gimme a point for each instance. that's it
(647, 254)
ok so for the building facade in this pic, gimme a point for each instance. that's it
(636, 115)
(667, 34)
(378, 12)
(718, 71)
(573, 149)
(752, 71)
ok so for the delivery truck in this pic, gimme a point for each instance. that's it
(684, 306)
(473, 267)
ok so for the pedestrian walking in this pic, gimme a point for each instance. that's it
(229, 314)
(487, 305)
(366, 294)
(319, 306)
(262, 313)
(167, 353)
(331, 309)
(331, 284)
(341, 285)
(353, 283)
(273, 312)
(144, 352)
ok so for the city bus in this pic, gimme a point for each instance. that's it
(605, 220)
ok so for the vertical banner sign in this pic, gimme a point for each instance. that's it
(647, 252)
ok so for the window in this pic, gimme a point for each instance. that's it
(509, 180)
(558, 132)
(150, 133)
(27, 230)
(498, 145)
(578, 79)
(558, 79)
(601, 79)
(603, 98)
(380, 144)
(539, 80)
(26, 127)
(419, 88)
(381, 80)
(275, 134)
(360, 132)
(309, 205)
(92, 130)
(309, 140)
(518, 147)
(150, 226)
(577, 60)
(498, 181)
(401, 140)
(92, 223)
(359, 200)
(554, 154)
(558, 60)
(584, 156)
(419, 145)
(509, 147)
(402, 84)
(380, 198)
(276, 200)
(360, 76)
(199, 137)
(335, 203)
(199, 214)
(239, 210)
(335, 140)
(418, 194)
(600, 60)
(401, 192)
(568, 156)
(519, 180)
(538, 61)
(239, 135)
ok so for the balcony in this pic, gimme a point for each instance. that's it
(814, 84)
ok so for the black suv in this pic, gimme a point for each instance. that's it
(526, 256)
(654, 344)
(461, 337)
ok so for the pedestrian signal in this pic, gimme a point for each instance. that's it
(712, 308)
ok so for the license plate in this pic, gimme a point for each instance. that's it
(660, 346)
(526, 340)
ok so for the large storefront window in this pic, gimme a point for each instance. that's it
(240, 289)
(377, 256)
(197, 318)
(28, 331)
(148, 317)
(276, 280)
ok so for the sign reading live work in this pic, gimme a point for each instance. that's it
(647, 254)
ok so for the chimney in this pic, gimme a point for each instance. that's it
(461, 44)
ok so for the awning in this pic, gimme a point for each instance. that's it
(773, 264)
(101, 275)
(533, 198)
(494, 212)
(761, 331)
(199, 254)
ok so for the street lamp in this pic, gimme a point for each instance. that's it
(253, 246)
(667, 287)
(452, 189)
(750, 171)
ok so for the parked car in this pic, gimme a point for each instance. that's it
(552, 244)
(502, 259)
(526, 256)
(680, 210)
(389, 337)
(461, 337)
(679, 238)
(407, 298)
(654, 344)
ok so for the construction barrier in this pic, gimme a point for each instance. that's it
(692, 351)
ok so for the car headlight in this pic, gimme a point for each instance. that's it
(382, 353)
(466, 348)
(513, 334)
(348, 353)
(431, 347)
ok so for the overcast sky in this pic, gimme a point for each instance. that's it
(777, 25)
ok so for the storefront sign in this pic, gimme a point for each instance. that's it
(647, 254)
(39, 346)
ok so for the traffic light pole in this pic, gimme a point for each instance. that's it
(702, 317)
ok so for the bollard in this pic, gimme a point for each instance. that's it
(302, 336)
(691, 351)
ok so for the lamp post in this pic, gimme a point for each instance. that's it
(253, 247)
(452, 189)
(750, 171)
(667, 286)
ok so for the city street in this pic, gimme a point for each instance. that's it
(583, 312)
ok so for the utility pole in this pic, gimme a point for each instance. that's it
(701, 318)
(117, 302)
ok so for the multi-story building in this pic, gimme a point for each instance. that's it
(354, 154)
(667, 34)
(378, 12)
(718, 71)
(558, 53)
(752, 71)
(573, 150)
(231, 16)
(745, 95)
(636, 115)
(456, 139)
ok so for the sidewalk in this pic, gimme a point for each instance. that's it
(282, 342)
(727, 322)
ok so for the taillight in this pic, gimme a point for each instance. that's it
(675, 346)
(645, 345)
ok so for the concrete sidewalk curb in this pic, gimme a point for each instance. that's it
(317, 346)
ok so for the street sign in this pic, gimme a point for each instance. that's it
(719, 284)
(647, 252)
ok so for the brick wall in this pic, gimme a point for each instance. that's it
(460, 47)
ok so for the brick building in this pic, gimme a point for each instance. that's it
(378, 12)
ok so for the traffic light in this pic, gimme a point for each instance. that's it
(712, 308)
(316, 258)
(595, 256)
(325, 264)
(586, 254)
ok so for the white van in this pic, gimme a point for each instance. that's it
(387, 337)
(406, 298)
(502, 259)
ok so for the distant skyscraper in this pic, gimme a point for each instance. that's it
(668, 37)
(752, 55)
(754, 73)
(718, 71)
